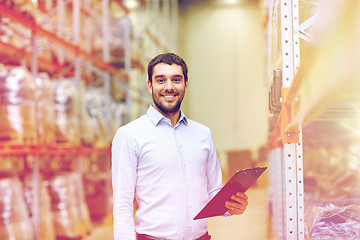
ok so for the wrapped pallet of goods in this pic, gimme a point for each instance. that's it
(72, 128)
(95, 174)
(66, 112)
(71, 215)
(17, 128)
(14, 218)
(119, 106)
(117, 39)
(46, 222)
(45, 114)
(17, 106)
(331, 181)
(72, 122)
(97, 194)
(98, 117)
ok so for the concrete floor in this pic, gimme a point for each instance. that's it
(252, 225)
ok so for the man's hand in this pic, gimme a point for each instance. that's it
(238, 204)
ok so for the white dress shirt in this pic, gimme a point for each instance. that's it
(172, 172)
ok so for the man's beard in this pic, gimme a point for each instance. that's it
(167, 109)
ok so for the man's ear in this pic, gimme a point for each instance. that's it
(186, 85)
(149, 86)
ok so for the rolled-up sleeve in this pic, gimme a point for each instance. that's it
(124, 165)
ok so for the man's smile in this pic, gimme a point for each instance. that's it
(169, 96)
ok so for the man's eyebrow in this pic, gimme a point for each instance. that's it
(159, 76)
(178, 75)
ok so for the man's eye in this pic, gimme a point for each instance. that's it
(160, 80)
(176, 80)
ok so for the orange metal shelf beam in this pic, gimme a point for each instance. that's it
(17, 149)
(54, 150)
(42, 62)
(121, 4)
(31, 24)
(156, 40)
(137, 64)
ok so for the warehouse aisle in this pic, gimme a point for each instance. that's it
(252, 225)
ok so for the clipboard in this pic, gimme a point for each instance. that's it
(239, 182)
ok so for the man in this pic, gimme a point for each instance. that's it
(167, 162)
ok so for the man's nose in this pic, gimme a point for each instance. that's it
(169, 84)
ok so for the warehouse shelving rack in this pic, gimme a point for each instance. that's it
(326, 79)
(157, 38)
(286, 146)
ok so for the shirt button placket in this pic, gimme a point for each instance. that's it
(187, 181)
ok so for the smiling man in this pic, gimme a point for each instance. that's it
(167, 162)
(167, 86)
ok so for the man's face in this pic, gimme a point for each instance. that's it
(168, 88)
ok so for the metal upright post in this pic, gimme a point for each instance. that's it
(127, 61)
(156, 20)
(298, 147)
(36, 171)
(292, 158)
(142, 77)
(77, 70)
(89, 30)
(106, 29)
(106, 51)
(280, 198)
(60, 7)
(289, 168)
(166, 22)
(107, 84)
(277, 189)
(48, 4)
(174, 24)
(300, 187)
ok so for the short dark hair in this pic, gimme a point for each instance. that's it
(168, 58)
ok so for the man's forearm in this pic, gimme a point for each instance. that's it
(124, 228)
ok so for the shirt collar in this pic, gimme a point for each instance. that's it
(155, 116)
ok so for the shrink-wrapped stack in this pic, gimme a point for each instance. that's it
(45, 114)
(333, 222)
(70, 212)
(14, 217)
(331, 181)
(119, 106)
(45, 217)
(117, 39)
(66, 112)
(97, 193)
(72, 120)
(99, 117)
(17, 106)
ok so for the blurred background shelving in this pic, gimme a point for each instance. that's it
(72, 72)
